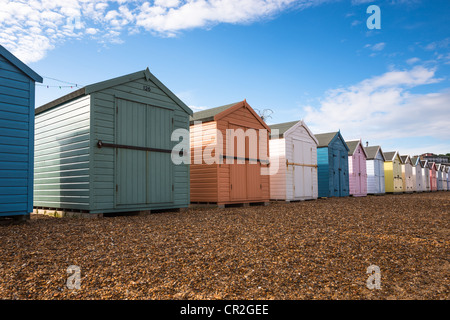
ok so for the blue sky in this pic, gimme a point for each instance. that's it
(309, 59)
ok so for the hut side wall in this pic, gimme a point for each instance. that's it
(62, 156)
(278, 181)
(16, 140)
(204, 177)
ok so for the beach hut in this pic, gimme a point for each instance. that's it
(229, 152)
(357, 169)
(425, 175)
(293, 149)
(375, 170)
(107, 148)
(393, 172)
(439, 177)
(17, 92)
(407, 175)
(332, 162)
(417, 171)
(433, 179)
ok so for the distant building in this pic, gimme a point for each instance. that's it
(435, 158)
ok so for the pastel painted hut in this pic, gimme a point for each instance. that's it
(226, 169)
(107, 148)
(357, 169)
(332, 162)
(407, 175)
(375, 170)
(17, 99)
(293, 149)
(426, 176)
(433, 177)
(417, 174)
(393, 172)
(439, 177)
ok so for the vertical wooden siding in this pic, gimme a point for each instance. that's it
(62, 141)
(426, 179)
(244, 119)
(375, 175)
(103, 128)
(357, 173)
(307, 181)
(16, 140)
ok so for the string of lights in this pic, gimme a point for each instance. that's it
(67, 84)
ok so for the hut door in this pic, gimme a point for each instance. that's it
(336, 187)
(298, 170)
(143, 165)
(357, 173)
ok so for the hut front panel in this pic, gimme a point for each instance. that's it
(426, 179)
(62, 156)
(16, 140)
(417, 173)
(439, 180)
(301, 178)
(398, 180)
(375, 175)
(204, 177)
(433, 182)
(338, 173)
(242, 182)
(407, 177)
(357, 173)
(389, 177)
(174, 191)
(278, 181)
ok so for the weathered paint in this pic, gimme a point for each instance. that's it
(74, 173)
(296, 154)
(225, 183)
(393, 173)
(375, 172)
(357, 171)
(407, 174)
(17, 98)
(332, 162)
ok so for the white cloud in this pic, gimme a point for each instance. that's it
(51, 22)
(384, 107)
(412, 60)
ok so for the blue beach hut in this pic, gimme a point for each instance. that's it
(332, 162)
(17, 87)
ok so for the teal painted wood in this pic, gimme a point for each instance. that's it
(62, 140)
(332, 162)
(134, 110)
(17, 86)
